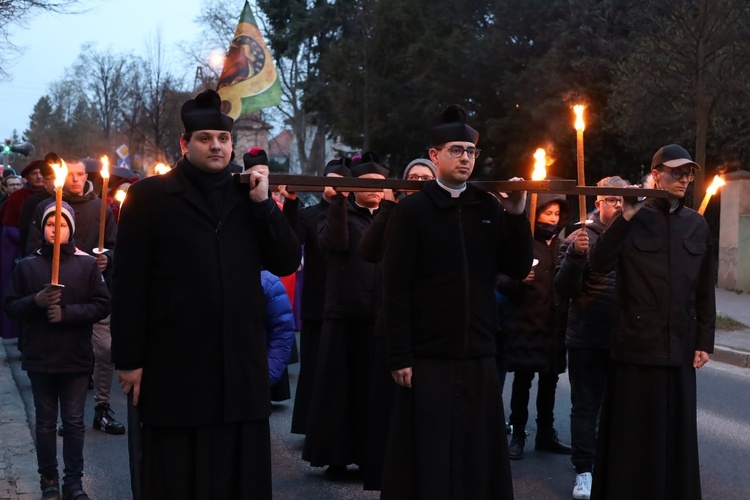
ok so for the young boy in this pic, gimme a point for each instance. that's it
(58, 354)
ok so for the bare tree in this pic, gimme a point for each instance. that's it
(17, 13)
(103, 77)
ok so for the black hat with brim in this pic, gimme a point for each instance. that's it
(338, 166)
(451, 127)
(204, 113)
(368, 164)
(256, 156)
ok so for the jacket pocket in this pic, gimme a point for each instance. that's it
(695, 247)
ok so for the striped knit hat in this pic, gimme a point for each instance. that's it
(67, 212)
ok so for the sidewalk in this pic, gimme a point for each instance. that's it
(18, 474)
(733, 347)
(19, 479)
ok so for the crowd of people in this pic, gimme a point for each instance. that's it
(413, 307)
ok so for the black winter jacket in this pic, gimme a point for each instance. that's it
(63, 347)
(592, 294)
(353, 286)
(666, 307)
(441, 258)
(533, 320)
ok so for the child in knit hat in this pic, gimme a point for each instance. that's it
(58, 353)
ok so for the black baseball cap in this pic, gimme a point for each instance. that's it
(673, 156)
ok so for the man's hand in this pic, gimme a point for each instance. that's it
(631, 205)
(48, 297)
(402, 376)
(388, 195)
(258, 187)
(515, 203)
(700, 359)
(54, 314)
(330, 192)
(581, 241)
(101, 259)
(131, 379)
(286, 194)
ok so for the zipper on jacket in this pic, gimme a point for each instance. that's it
(466, 281)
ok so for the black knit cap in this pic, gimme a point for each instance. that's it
(204, 113)
(256, 156)
(338, 166)
(451, 127)
(368, 164)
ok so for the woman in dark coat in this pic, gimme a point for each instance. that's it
(535, 341)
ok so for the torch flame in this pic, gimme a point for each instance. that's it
(61, 172)
(540, 172)
(161, 168)
(715, 185)
(578, 110)
(105, 167)
(120, 196)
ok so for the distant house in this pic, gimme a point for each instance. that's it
(250, 131)
(280, 149)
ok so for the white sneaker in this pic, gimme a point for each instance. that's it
(582, 489)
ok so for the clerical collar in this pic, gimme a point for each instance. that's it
(455, 193)
(372, 210)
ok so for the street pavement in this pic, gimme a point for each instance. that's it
(723, 422)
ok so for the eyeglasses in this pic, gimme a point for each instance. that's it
(677, 174)
(458, 151)
(612, 202)
(420, 178)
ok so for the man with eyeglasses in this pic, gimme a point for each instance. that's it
(663, 330)
(444, 246)
(590, 312)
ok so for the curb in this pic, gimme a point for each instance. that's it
(18, 466)
(731, 356)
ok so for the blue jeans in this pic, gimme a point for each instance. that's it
(587, 371)
(70, 389)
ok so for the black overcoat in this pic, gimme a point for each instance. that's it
(187, 303)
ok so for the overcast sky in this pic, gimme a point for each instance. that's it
(52, 43)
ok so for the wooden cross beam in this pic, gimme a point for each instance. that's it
(310, 183)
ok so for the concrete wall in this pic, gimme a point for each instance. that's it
(734, 236)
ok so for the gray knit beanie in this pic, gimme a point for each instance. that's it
(420, 161)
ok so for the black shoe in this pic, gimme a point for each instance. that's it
(517, 442)
(50, 487)
(104, 420)
(336, 472)
(548, 441)
(74, 492)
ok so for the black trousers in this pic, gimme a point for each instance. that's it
(587, 371)
(545, 400)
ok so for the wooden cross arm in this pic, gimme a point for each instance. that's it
(303, 183)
